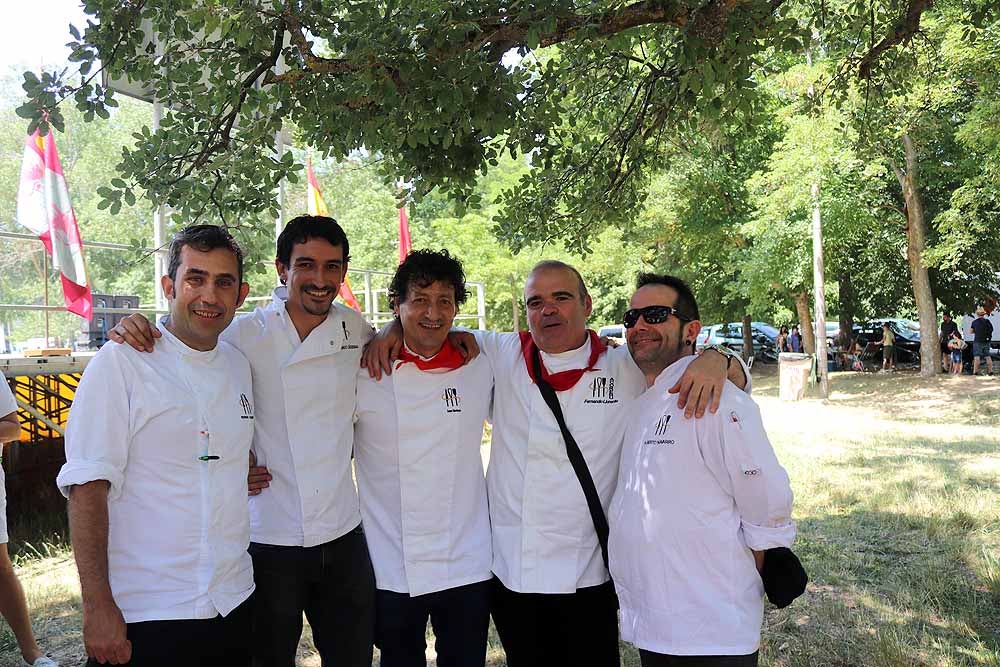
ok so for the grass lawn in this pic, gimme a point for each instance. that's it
(897, 499)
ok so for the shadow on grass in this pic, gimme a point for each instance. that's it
(888, 590)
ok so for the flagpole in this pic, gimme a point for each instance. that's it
(45, 281)
(159, 270)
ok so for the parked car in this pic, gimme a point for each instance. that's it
(731, 335)
(613, 331)
(907, 334)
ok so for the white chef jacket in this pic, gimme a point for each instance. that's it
(178, 526)
(543, 536)
(693, 497)
(305, 393)
(420, 476)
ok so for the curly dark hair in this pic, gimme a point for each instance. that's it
(305, 227)
(423, 267)
(202, 238)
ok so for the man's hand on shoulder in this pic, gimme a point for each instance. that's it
(701, 385)
(466, 343)
(382, 350)
(104, 633)
(136, 331)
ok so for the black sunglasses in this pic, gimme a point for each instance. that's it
(652, 315)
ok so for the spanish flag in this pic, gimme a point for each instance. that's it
(317, 206)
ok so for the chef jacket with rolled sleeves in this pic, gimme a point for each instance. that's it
(305, 392)
(418, 440)
(693, 498)
(170, 432)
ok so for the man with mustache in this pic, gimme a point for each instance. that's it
(155, 473)
(420, 476)
(553, 602)
(309, 552)
(697, 503)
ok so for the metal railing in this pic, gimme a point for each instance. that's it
(370, 287)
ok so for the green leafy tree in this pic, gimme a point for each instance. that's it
(438, 90)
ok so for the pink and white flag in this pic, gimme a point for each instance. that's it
(44, 207)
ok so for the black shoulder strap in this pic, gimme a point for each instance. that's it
(576, 459)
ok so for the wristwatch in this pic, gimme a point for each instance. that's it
(724, 351)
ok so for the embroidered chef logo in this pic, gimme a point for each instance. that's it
(660, 431)
(246, 406)
(452, 401)
(347, 337)
(602, 390)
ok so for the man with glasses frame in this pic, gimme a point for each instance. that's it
(696, 505)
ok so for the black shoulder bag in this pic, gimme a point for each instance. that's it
(576, 459)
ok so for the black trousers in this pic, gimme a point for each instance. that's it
(541, 629)
(332, 583)
(650, 659)
(460, 617)
(195, 642)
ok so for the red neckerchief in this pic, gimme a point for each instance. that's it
(449, 357)
(566, 379)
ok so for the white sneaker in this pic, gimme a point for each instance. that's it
(42, 661)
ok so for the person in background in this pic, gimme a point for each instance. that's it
(948, 327)
(781, 340)
(982, 334)
(888, 344)
(13, 606)
(795, 340)
(955, 347)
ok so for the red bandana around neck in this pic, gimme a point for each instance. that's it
(565, 379)
(449, 357)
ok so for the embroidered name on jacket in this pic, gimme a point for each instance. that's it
(660, 432)
(347, 337)
(452, 401)
(602, 390)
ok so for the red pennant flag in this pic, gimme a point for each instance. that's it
(404, 235)
(44, 207)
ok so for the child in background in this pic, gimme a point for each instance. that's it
(956, 345)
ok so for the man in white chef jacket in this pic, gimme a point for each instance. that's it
(553, 602)
(155, 473)
(417, 445)
(308, 548)
(697, 503)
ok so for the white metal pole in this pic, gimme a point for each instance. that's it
(279, 224)
(481, 306)
(159, 231)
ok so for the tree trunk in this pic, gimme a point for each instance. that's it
(847, 299)
(819, 295)
(747, 338)
(916, 241)
(805, 322)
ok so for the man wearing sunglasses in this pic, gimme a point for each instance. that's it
(696, 504)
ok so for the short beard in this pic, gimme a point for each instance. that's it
(317, 313)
